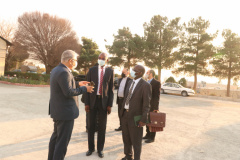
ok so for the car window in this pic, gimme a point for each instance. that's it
(175, 85)
(166, 84)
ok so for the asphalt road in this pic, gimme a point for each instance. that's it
(196, 129)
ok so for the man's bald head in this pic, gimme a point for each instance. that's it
(140, 70)
(103, 56)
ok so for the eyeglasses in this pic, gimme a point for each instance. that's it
(74, 60)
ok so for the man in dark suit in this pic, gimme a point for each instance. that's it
(154, 103)
(99, 103)
(136, 103)
(122, 84)
(63, 105)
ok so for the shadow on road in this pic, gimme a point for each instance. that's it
(216, 144)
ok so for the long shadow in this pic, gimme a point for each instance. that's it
(220, 144)
(110, 152)
(24, 147)
(42, 144)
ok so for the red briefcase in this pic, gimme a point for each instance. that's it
(157, 121)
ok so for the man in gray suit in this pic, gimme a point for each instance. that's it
(136, 103)
(63, 105)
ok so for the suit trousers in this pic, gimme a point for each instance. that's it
(120, 102)
(132, 136)
(150, 135)
(60, 139)
(102, 121)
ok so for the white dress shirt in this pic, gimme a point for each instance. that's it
(99, 75)
(121, 87)
(135, 84)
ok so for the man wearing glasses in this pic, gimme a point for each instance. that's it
(63, 105)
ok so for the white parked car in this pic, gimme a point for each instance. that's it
(176, 89)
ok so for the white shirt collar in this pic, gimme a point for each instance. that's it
(99, 67)
(137, 80)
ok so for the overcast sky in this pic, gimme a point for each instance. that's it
(100, 19)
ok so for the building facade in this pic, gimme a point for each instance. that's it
(3, 51)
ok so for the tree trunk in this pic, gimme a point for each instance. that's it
(48, 69)
(229, 79)
(159, 74)
(195, 80)
(129, 65)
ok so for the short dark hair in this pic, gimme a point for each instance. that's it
(153, 73)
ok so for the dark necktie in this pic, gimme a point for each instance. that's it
(101, 81)
(129, 94)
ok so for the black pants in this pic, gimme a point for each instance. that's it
(150, 135)
(120, 102)
(132, 137)
(102, 121)
(87, 121)
(60, 139)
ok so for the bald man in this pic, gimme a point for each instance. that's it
(136, 103)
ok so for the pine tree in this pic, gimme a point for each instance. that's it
(196, 49)
(161, 37)
(226, 62)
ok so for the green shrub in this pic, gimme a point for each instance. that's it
(171, 80)
(31, 76)
(23, 80)
(183, 82)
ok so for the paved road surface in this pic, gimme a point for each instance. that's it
(197, 129)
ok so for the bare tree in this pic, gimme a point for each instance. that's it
(16, 53)
(7, 29)
(46, 37)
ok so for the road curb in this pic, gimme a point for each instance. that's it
(22, 84)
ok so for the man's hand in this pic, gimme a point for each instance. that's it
(109, 109)
(87, 108)
(141, 124)
(83, 83)
(89, 89)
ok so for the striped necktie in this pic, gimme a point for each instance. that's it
(101, 81)
(129, 94)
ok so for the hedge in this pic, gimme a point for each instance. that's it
(32, 76)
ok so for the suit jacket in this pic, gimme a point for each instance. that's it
(107, 90)
(156, 85)
(64, 90)
(119, 82)
(139, 103)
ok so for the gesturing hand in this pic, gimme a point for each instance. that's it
(83, 83)
(89, 89)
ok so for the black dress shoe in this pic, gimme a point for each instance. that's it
(100, 154)
(118, 129)
(126, 158)
(145, 137)
(88, 153)
(149, 141)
